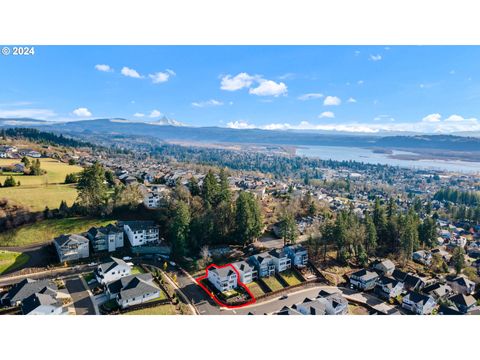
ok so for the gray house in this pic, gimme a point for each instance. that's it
(264, 264)
(133, 290)
(71, 247)
(27, 287)
(298, 255)
(364, 279)
(106, 238)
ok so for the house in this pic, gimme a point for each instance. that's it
(311, 307)
(364, 279)
(438, 291)
(386, 267)
(399, 275)
(27, 287)
(462, 285)
(448, 310)
(423, 257)
(418, 303)
(141, 232)
(387, 287)
(446, 256)
(298, 255)
(335, 303)
(464, 303)
(112, 270)
(106, 238)
(223, 278)
(133, 289)
(71, 247)
(246, 271)
(413, 283)
(264, 264)
(280, 259)
(151, 200)
(42, 304)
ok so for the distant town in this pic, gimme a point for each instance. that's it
(129, 225)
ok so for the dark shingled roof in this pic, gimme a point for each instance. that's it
(35, 300)
(133, 286)
(28, 287)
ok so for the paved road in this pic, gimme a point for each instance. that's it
(81, 298)
(39, 256)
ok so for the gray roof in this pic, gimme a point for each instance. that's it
(28, 287)
(365, 274)
(65, 239)
(276, 253)
(35, 300)
(264, 257)
(113, 263)
(243, 266)
(139, 225)
(297, 248)
(133, 286)
(464, 300)
(223, 271)
(104, 230)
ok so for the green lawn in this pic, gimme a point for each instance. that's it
(10, 260)
(290, 277)
(273, 283)
(88, 277)
(47, 230)
(136, 269)
(36, 192)
(255, 289)
(166, 309)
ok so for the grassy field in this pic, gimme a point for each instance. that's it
(36, 192)
(255, 289)
(290, 277)
(137, 270)
(46, 230)
(167, 309)
(10, 260)
(273, 283)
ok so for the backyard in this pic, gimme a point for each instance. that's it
(167, 309)
(291, 278)
(47, 230)
(273, 283)
(10, 261)
(255, 289)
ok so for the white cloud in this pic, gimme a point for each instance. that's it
(269, 88)
(161, 77)
(327, 114)
(376, 57)
(41, 114)
(384, 118)
(456, 118)
(139, 114)
(360, 82)
(208, 103)
(240, 124)
(310, 96)
(432, 118)
(82, 112)
(332, 101)
(155, 113)
(237, 82)
(351, 100)
(103, 67)
(126, 71)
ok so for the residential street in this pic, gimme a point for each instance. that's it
(81, 298)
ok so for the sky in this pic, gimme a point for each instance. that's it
(433, 89)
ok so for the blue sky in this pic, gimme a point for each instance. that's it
(351, 88)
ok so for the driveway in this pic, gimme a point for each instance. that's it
(81, 298)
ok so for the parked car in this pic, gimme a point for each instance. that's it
(126, 258)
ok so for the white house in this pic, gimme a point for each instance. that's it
(247, 272)
(334, 302)
(72, 247)
(42, 304)
(224, 278)
(141, 232)
(151, 200)
(133, 290)
(112, 270)
(386, 267)
(418, 303)
(387, 287)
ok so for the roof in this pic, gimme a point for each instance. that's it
(288, 311)
(35, 300)
(297, 248)
(104, 230)
(463, 300)
(242, 266)
(112, 264)
(365, 274)
(139, 225)
(418, 298)
(399, 275)
(412, 281)
(223, 271)
(132, 286)
(276, 253)
(437, 289)
(66, 239)
(27, 287)
(463, 281)
(263, 257)
(387, 263)
(388, 282)
(446, 310)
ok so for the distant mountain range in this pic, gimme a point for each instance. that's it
(168, 129)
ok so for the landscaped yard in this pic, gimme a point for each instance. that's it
(10, 260)
(356, 310)
(136, 269)
(255, 289)
(290, 277)
(36, 192)
(166, 309)
(47, 230)
(273, 283)
(88, 277)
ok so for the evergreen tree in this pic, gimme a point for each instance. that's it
(9, 182)
(210, 189)
(371, 236)
(458, 259)
(92, 191)
(180, 229)
(427, 232)
(288, 228)
(193, 186)
(248, 218)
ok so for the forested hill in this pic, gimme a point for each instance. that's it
(42, 137)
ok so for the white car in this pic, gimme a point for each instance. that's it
(126, 258)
